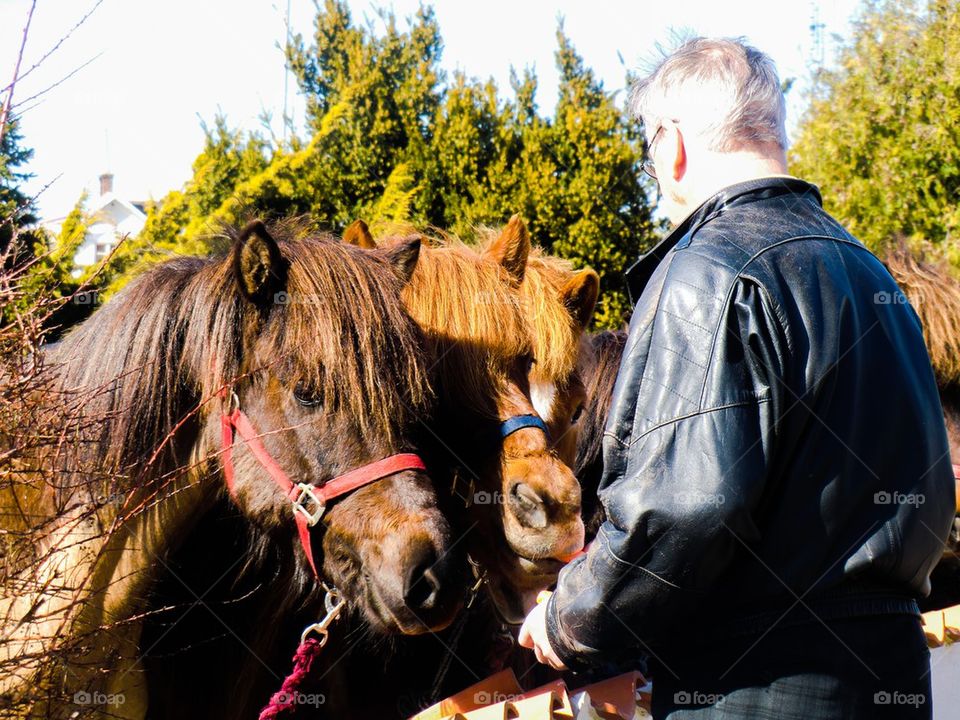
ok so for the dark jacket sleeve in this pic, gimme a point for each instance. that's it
(690, 482)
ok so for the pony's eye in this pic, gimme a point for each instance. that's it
(305, 396)
(528, 364)
(576, 414)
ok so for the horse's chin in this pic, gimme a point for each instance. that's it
(517, 582)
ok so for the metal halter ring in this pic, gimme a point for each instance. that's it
(333, 603)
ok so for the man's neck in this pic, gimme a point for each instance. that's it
(732, 169)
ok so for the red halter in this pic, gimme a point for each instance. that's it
(309, 500)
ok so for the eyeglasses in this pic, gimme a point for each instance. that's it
(648, 166)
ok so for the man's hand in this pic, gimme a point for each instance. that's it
(533, 634)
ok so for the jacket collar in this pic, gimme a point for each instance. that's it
(640, 272)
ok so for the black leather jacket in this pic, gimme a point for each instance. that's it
(775, 438)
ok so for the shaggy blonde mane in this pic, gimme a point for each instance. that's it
(470, 311)
(555, 336)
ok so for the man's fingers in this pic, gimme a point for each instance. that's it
(539, 653)
(525, 639)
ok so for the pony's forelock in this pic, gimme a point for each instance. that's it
(471, 315)
(157, 355)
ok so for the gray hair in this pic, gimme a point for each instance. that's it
(727, 90)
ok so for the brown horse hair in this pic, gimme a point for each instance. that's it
(553, 330)
(599, 364)
(934, 292)
(471, 315)
(175, 336)
(556, 333)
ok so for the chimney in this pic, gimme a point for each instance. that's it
(106, 183)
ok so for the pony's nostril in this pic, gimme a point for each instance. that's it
(422, 585)
(528, 506)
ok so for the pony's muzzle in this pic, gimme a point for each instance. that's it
(422, 587)
(541, 511)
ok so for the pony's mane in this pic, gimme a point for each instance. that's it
(555, 336)
(599, 363)
(934, 293)
(181, 332)
(598, 366)
(470, 311)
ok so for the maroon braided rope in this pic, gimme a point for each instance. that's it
(286, 697)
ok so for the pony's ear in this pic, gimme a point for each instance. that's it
(258, 264)
(357, 233)
(512, 248)
(403, 258)
(580, 293)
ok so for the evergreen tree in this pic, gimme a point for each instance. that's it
(392, 141)
(16, 208)
(882, 133)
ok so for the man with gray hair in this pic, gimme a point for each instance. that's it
(777, 481)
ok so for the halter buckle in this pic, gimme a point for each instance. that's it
(304, 499)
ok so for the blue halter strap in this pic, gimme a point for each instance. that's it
(519, 422)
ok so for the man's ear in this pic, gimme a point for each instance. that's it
(259, 267)
(357, 233)
(403, 258)
(512, 248)
(580, 296)
(678, 166)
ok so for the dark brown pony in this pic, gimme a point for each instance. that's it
(471, 310)
(311, 338)
(598, 364)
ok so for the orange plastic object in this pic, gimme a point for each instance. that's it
(492, 691)
(547, 701)
(934, 628)
(616, 697)
(500, 697)
(951, 622)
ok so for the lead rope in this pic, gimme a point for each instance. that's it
(308, 651)
(481, 575)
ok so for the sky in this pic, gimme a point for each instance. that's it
(146, 74)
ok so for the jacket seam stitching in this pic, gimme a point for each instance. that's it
(633, 565)
(686, 320)
(682, 357)
(744, 403)
(672, 390)
(646, 365)
(729, 293)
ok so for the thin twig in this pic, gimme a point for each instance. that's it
(8, 101)
(63, 79)
(60, 42)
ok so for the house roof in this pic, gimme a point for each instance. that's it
(107, 198)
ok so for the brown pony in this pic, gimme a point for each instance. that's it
(310, 339)
(472, 310)
(486, 314)
(558, 302)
